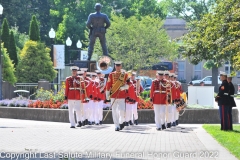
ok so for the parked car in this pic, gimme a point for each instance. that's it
(146, 82)
(206, 80)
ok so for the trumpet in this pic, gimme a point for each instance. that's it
(138, 85)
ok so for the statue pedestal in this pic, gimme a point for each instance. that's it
(91, 65)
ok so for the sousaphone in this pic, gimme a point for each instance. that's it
(105, 64)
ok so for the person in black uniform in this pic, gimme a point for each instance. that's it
(231, 98)
(224, 102)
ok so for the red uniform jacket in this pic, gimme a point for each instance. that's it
(178, 89)
(72, 90)
(112, 78)
(173, 90)
(85, 84)
(135, 89)
(101, 86)
(131, 93)
(158, 92)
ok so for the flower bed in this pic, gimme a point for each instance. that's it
(15, 102)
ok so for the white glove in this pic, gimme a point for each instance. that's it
(125, 87)
(107, 95)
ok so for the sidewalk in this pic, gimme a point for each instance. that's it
(52, 140)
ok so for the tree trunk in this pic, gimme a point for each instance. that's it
(215, 78)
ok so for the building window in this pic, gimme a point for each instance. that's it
(227, 67)
(181, 70)
(198, 71)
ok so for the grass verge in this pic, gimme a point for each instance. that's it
(229, 139)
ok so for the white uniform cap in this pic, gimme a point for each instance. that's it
(166, 72)
(222, 73)
(80, 72)
(74, 68)
(160, 72)
(84, 69)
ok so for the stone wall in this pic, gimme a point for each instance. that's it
(145, 116)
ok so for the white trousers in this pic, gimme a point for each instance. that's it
(91, 111)
(173, 112)
(118, 111)
(96, 111)
(74, 105)
(100, 110)
(169, 113)
(159, 111)
(134, 111)
(129, 113)
(86, 110)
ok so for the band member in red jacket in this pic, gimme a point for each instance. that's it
(86, 105)
(171, 93)
(138, 89)
(158, 95)
(72, 95)
(178, 97)
(116, 90)
(101, 94)
(173, 99)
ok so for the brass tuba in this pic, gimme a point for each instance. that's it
(105, 64)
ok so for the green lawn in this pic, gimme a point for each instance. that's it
(229, 139)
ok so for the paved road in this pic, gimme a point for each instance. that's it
(52, 140)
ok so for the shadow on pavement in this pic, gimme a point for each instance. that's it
(95, 127)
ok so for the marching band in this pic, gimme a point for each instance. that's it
(87, 92)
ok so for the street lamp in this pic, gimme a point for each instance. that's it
(79, 46)
(1, 12)
(69, 43)
(52, 35)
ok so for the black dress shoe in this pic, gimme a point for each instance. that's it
(89, 123)
(72, 127)
(100, 123)
(158, 129)
(168, 125)
(86, 122)
(83, 123)
(173, 124)
(121, 126)
(130, 122)
(176, 122)
(93, 123)
(117, 129)
(79, 124)
(163, 127)
(97, 123)
(126, 124)
(136, 122)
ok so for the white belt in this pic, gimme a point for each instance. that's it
(225, 93)
(159, 91)
(74, 88)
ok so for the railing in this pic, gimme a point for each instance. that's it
(32, 88)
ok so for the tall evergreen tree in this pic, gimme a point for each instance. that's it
(5, 33)
(35, 63)
(34, 34)
(8, 67)
(12, 49)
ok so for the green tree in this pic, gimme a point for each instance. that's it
(8, 67)
(215, 37)
(138, 43)
(19, 13)
(34, 34)
(5, 33)
(20, 38)
(12, 49)
(189, 9)
(35, 63)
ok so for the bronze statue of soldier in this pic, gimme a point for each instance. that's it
(97, 23)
